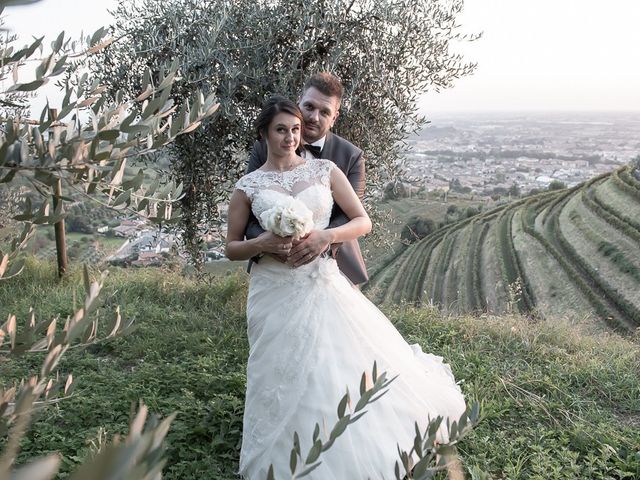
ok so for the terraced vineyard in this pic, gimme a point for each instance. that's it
(574, 250)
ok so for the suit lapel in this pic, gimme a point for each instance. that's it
(326, 148)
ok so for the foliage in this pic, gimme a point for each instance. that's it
(470, 212)
(627, 180)
(635, 167)
(557, 402)
(417, 228)
(456, 186)
(426, 449)
(85, 146)
(556, 185)
(15, 103)
(386, 53)
(433, 456)
(78, 223)
(395, 190)
(141, 454)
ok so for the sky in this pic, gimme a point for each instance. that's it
(534, 55)
(561, 55)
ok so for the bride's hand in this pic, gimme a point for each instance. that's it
(308, 248)
(277, 246)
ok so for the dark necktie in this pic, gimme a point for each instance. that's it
(313, 149)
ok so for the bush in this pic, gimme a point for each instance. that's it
(470, 212)
(78, 223)
(396, 190)
(417, 228)
(556, 185)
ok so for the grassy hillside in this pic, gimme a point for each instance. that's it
(396, 213)
(557, 403)
(574, 251)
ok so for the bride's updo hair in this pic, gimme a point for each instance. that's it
(274, 105)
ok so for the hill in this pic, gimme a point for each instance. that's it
(393, 215)
(557, 403)
(568, 252)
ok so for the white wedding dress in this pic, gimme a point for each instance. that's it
(311, 336)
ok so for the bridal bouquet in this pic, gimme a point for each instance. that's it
(289, 217)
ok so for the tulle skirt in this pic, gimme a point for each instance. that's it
(311, 337)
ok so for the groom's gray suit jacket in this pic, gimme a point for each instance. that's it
(349, 159)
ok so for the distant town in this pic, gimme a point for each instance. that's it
(490, 154)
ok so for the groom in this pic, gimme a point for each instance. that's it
(320, 106)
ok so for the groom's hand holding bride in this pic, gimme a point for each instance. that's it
(309, 247)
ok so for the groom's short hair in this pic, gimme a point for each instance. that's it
(327, 84)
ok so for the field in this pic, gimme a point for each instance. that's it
(380, 251)
(558, 403)
(572, 252)
(89, 246)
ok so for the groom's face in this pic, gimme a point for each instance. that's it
(319, 111)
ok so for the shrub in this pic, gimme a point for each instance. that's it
(396, 190)
(556, 185)
(417, 228)
(470, 212)
(79, 224)
(514, 190)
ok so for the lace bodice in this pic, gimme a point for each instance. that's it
(309, 182)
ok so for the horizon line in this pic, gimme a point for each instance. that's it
(534, 110)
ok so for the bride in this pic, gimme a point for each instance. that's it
(312, 334)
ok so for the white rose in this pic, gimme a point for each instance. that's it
(270, 219)
(289, 217)
(296, 219)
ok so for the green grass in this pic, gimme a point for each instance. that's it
(187, 355)
(83, 247)
(400, 211)
(557, 403)
(109, 244)
(598, 257)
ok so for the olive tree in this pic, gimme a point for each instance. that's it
(83, 148)
(387, 53)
